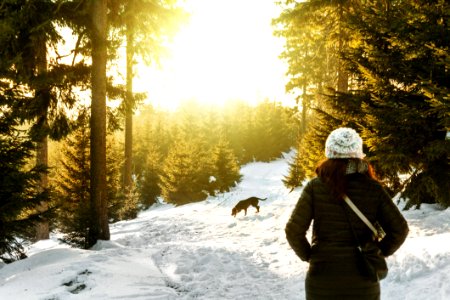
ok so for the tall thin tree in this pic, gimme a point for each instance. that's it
(99, 229)
(153, 22)
(128, 169)
(42, 227)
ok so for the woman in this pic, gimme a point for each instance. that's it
(333, 271)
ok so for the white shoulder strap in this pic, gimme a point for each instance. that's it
(360, 214)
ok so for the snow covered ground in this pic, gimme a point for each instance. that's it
(199, 251)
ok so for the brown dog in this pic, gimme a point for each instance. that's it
(244, 204)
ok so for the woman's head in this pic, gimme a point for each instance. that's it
(344, 143)
(344, 152)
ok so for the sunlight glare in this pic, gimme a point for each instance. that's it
(226, 52)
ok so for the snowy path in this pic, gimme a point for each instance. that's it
(199, 251)
(203, 252)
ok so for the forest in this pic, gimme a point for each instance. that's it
(72, 163)
(382, 68)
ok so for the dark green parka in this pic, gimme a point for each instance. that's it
(333, 273)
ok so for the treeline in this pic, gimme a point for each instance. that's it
(180, 157)
(194, 152)
(381, 67)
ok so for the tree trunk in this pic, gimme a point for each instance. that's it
(42, 228)
(129, 103)
(99, 229)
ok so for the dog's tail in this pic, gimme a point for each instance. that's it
(262, 199)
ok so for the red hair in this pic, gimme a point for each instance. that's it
(333, 173)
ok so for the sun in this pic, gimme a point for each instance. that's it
(226, 52)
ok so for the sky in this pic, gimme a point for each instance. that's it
(199, 251)
(225, 52)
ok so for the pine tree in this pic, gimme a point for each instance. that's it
(153, 140)
(310, 149)
(262, 143)
(122, 205)
(398, 98)
(225, 168)
(153, 22)
(296, 173)
(72, 186)
(99, 227)
(236, 119)
(29, 33)
(149, 183)
(316, 34)
(182, 179)
(19, 197)
(282, 128)
(401, 65)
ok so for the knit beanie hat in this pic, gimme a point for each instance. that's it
(344, 143)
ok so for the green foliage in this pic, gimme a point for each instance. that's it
(201, 149)
(72, 183)
(121, 206)
(237, 129)
(400, 57)
(260, 133)
(310, 149)
(272, 126)
(124, 206)
(19, 192)
(182, 179)
(151, 144)
(41, 88)
(29, 33)
(19, 197)
(309, 29)
(314, 34)
(29, 62)
(148, 183)
(225, 168)
(398, 93)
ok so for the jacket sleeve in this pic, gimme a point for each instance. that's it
(298, 224)
(393, 223)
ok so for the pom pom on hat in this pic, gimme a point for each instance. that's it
(344, 143)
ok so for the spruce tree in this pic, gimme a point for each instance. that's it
(310, 149)
(401, 65)
(225, 168)
(72, 186)
(398, 90)
(315, 34)
(236, 116)
(122, 205)
(29, 33)
(149, 182)
(182, 179)
(153, 140)
(19, 197)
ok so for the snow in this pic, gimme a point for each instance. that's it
(200, 251)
